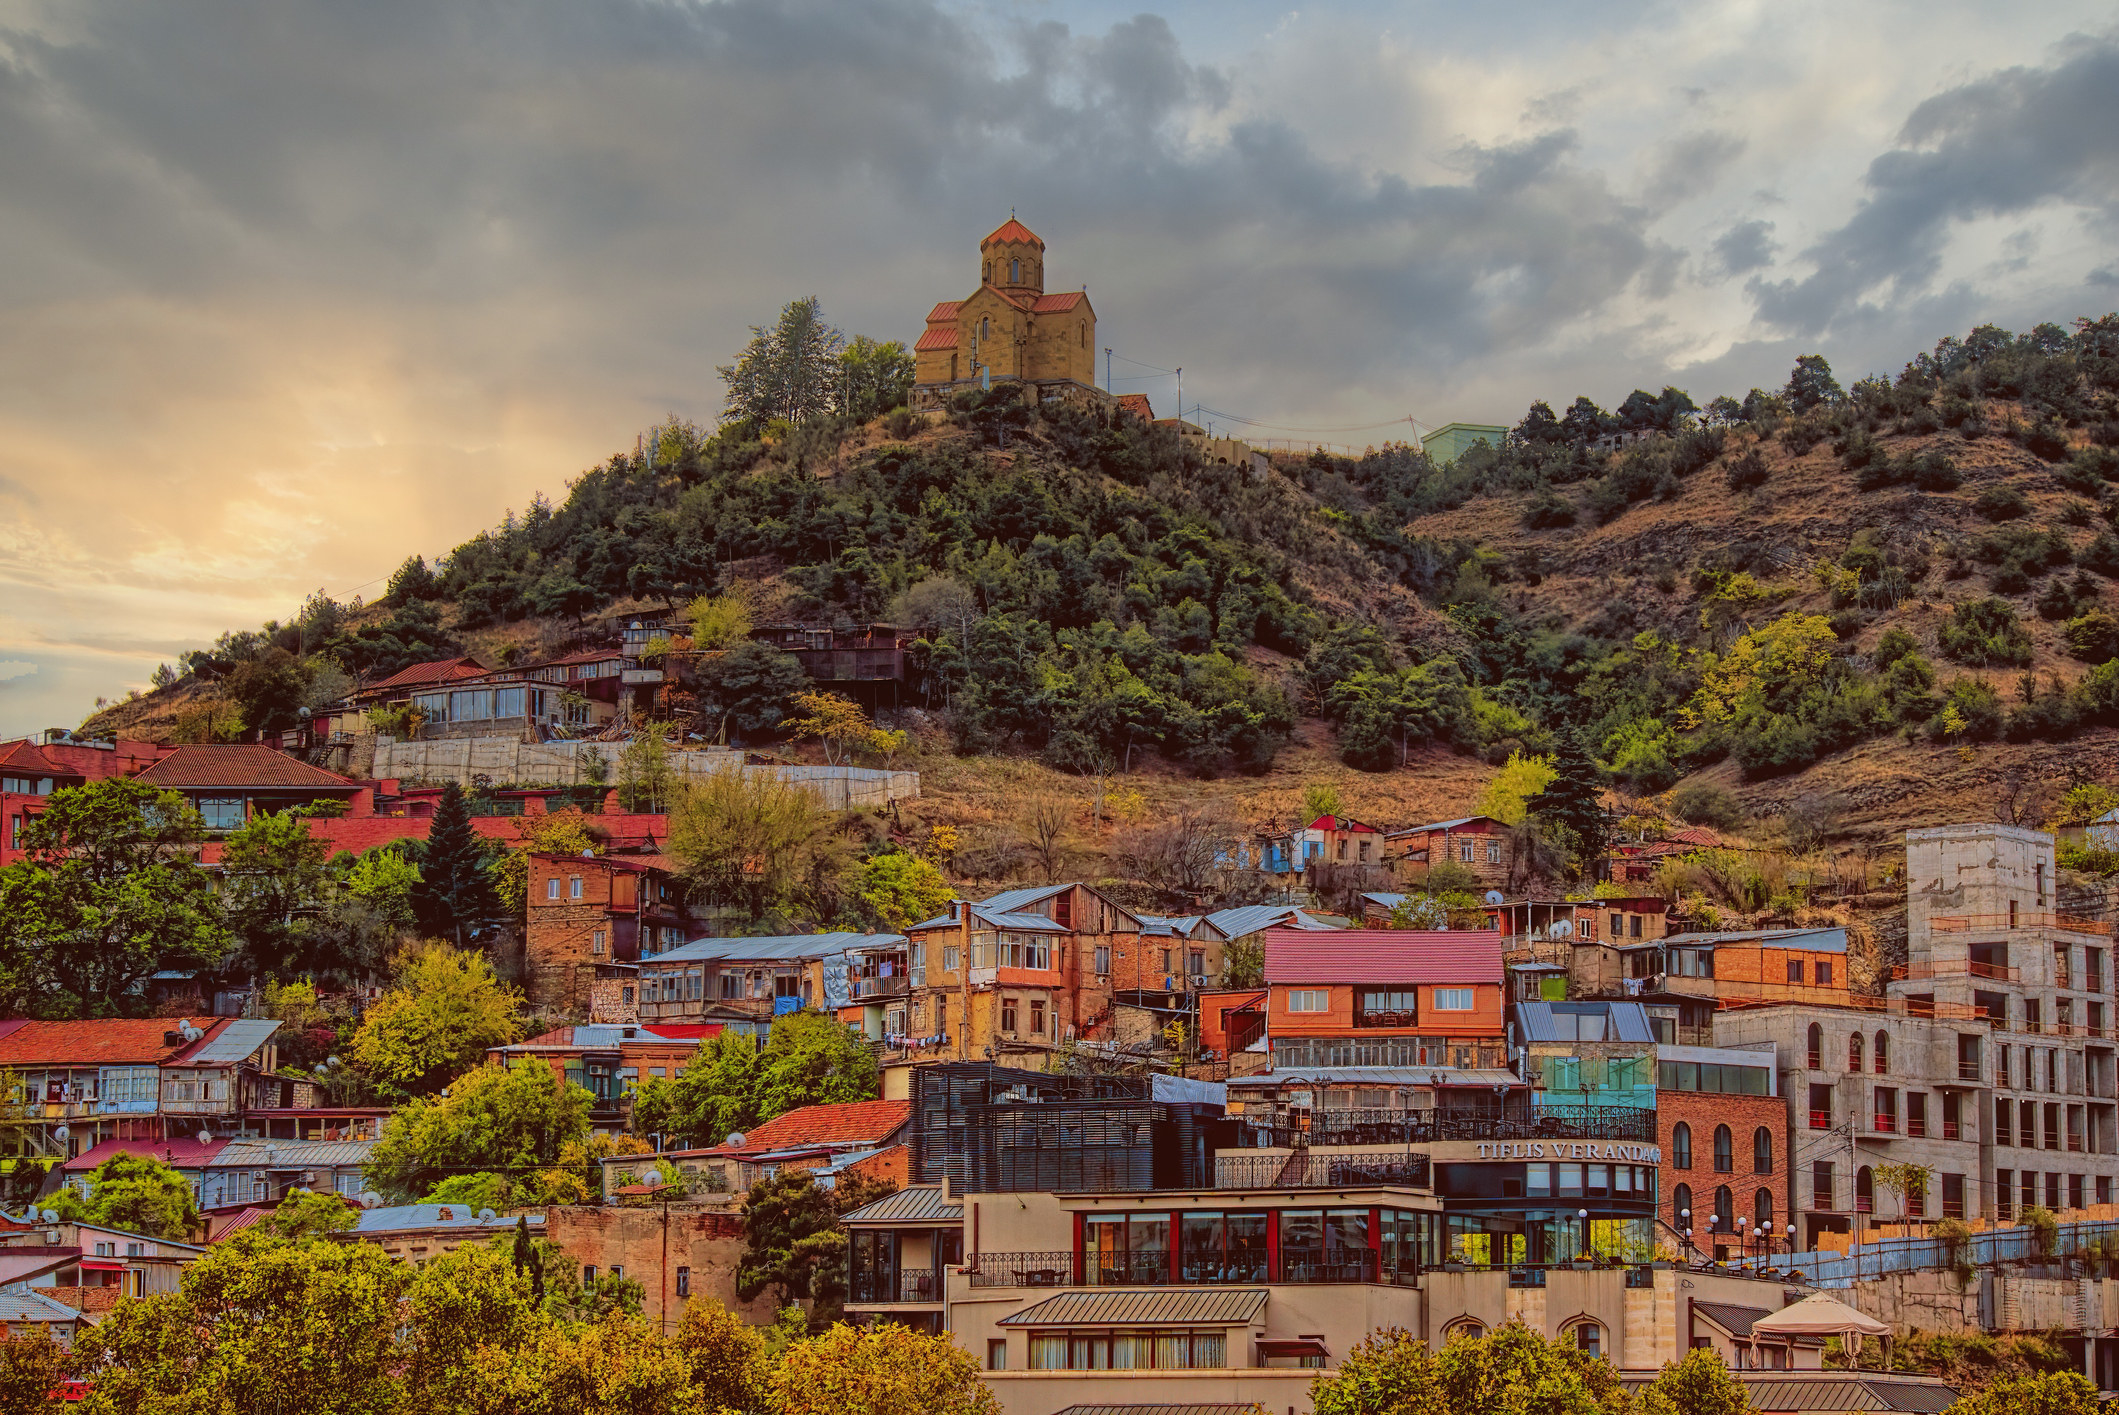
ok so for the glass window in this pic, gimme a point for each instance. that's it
(1724, 1150)
(1681, 1146)
(222, 812)
(1301, 1243)
(507, 702)
(1537, 1180)
(434, 707)
(1309, 1000)
(1453, 999)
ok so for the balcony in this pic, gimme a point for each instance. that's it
(881, 987)
(1292, 1126)
(1820, 1120)
(1309, 1268)
(2021, 919)
(1405, 1018)
(1916, 1127)
(1884, 1124)
(1309, 1170)
(1951, 1130)
(887, 1288)
(1917, 972)
(1023, 1270)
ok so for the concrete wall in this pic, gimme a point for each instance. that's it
(706, 1239)
(1044, 1392)
(502, 759)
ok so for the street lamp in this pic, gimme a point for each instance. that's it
(1685, 1222)
(1583, 1214)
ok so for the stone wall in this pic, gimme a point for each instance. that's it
(652, 1244)
(503, 759)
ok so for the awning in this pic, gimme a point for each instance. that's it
(1308, 1346)
(1162, 1306)
(103, 1265)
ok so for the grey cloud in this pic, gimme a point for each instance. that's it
(1689, 165)
(2008, 143)
(1745, 246)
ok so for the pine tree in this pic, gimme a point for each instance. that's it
(1573, 801)
(455, 893)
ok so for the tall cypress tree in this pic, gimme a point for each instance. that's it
(1574, 801)
(455, 894)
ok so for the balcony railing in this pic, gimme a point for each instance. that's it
(891, 1287)
(1285, 1128)
(881, 987)
(1306, 1169)
(1916, 1127)
(1885, 1124)
(1955, 968)
(2021, 919)
(1406, 1018)
(1967, 1070)
(1951, 1130)
(1049, 1269)
(1023, 1270)
(1820, 1120)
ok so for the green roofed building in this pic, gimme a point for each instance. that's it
(1452, 440)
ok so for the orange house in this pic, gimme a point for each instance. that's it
(1384, 997)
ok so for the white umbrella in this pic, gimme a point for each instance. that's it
(1819, 1315)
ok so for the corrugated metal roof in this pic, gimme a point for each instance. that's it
(1383, 956)
(292, 1154)
(1153, 1306)
(232, 1043)
(1438, 825)
(772, 948)
(400, 1217)
(32, 1307)
(1778, 1392)
(1244, 1408)
(919, 1203)
(1372, 1076)
(1250, 918)
(1811, 940)
(1624, 1021)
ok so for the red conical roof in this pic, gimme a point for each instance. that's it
(1012, 230)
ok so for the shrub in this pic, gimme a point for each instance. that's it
(1971, 711)
(2001, 503)
(1704, 803)
(2047, 439)
(1747, 471)
(2085, 472)
(2102, 555)
(1696, 449)
(2065, 599)
(1547, 510)
(1933, 470)
(2093, 636)
(2077, 513)
(1984, 633)
(1857, 449)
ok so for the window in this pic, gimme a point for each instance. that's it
(1795, 970)
(1015, 271)
(997, 1353)
(1493, 852)
(1724, 1150)
(1821, 1184)
(551, 889)
(1453, 999)
(1589, 1338)
(1103, 960)
(1633, 926)
(1681, 1205)
(434, 707)
(596, 941)
(1462, 1327)
(588, 1274)
(1762, 1151)
(574, 886)
(1197, 965)
(949, 957)
(1854, 1051)
(1824, 972)
(1725, 1209)
(1881, 1058)
(1681, 1146)
(1168, 955)
(1309, 1000)
(1037, 1017)
(1762, 1212)
(1617, 924)
(1864, 1191)
(1008, 1015)
(1464, 851)
(222, 812)
(1817, 1047)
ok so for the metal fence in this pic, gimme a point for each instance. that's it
(1904, 1255)
(1292, 1126)
(1306, 1169)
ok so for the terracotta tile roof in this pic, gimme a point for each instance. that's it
(441, 670)
(1058, 303)
(110, 1041)
(1383, 956)
(583, 656)
(24, 756)
(944, 312)
(1012, 230)
(941, 336)
(1137, 404)
(239, 765)
(856, 1122)
(1695, 835)
(84, 1299)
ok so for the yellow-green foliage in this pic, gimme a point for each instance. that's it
(1507, 796)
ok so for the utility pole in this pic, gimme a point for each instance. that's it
(1107, 369)
(1180, 393)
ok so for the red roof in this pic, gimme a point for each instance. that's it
(240, 765)
(853, 1123)
(941, 336)
(24, 756)
(1012, 230)
(1304, 956)
(440, 670)
(1137, 404)
(582, 656)
(109, 1041)
(1341, 823)
(1058, 303)
(1695, 835)
(687, 1031)
(183, 1153)
(944, 312)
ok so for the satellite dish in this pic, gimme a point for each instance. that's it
(51, 1215)
(653, 1179)
(485, 1216)
(370, 1199)
(1494, 896)
(1563, 928)
(735, 1140)
(205, 1137)
(60, 1133)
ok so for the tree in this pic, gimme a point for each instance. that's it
(302, 1215)
(1699, 1383)
(812, 1059)
(2046, 1393)
(645, 777)
(137, 1193)
(471, 1300)
(789, 372)
(511, 1120)
(719, 621)
(1180, 853)
(881, 1370)
(1044, 826)
(260, 1325)
(412, 580)
(834, 720)
(1243, 963)
(713, 1094)
(275, 881)
(442, 1010)
(1811, 383)
(615, 1365)
(758, 842)
(1574, 801)
(1319, 799)
(385, 881)
(874, 377)
(108, 894)
(745, 689)
(902, 890)
(31, 1367)
(455, 898)
(554, 833)
(793, 1242)
(270, 688)
(727, 1358)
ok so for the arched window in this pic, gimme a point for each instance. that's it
(985, 329)
(1817, 1047)
(1864, 1191)
(1724, 1210)
(1681, 1146)
(1762, 1211)
(1724, 1150)
(1854, 1051)
(1015, 272)
(1083, 326)
(1681, 1206)
(1762, 1151)
(1882, 1058)
(1462, 1327)
(1588, 1338)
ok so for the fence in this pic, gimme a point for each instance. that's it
(503, 759)
(1911, 1254)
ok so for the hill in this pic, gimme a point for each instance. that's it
(1870, 608)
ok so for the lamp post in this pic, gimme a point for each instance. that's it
(1712, 1219)
(1685, 1221)
(1583, 1214)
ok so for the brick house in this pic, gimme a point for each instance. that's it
(1382, 997)
(606, 1061)
(1723, 1128)
(586, 914)
(1478, 843)
(1337, 840)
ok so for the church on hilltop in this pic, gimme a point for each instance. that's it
(1009, 329)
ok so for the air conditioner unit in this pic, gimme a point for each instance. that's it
(1199, 980)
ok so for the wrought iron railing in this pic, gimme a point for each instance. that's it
(1046, 1269)
(1049, 1269)
(1306, 1169)
(1289, 1127)
(890, 1287)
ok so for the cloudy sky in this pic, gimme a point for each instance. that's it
(291, 288)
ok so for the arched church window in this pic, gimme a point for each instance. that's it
(1015, 272)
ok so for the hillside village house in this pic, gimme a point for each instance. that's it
(149, 1079)
(755, 979)
(461, 697)
(587, 913)
(608, 1060)
(1380, 997)
(1479, 844)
